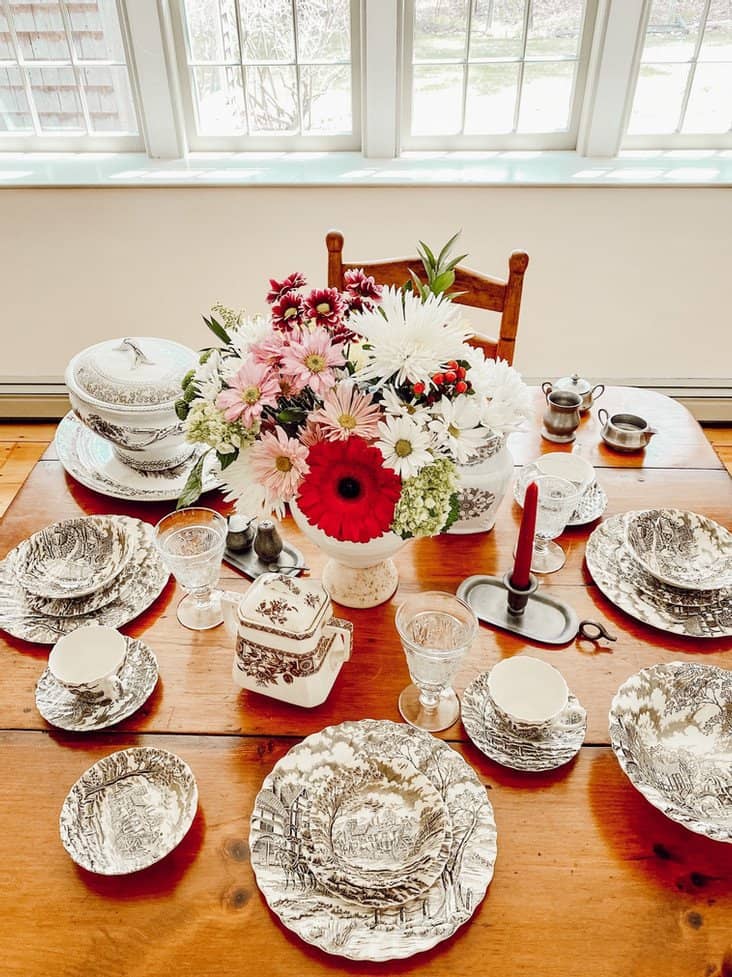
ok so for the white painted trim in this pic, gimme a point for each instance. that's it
(380, 36)
(147, 23)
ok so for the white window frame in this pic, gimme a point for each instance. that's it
(40, 141)
(266, 142)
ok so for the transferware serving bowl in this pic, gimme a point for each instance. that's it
(74, 558)
(125, 391)
(681, 548)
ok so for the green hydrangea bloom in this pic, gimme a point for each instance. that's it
(205, 424)
(427, 503)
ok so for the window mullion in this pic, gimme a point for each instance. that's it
(610, 83)
(22, 69)
(520, 73)
(380, 33)
(692, 65)
(75, 67)
(148, 31)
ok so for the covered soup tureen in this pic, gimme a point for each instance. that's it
(125, 391)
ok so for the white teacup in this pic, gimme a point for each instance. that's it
(527, 693)
(88, 661)
(570, 466)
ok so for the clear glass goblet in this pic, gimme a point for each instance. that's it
(436, 630)
(191, 543)
(558, 498)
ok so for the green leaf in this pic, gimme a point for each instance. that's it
(217, 329)
(182, 409)
(227, 459)
(194, 485)
(455, 261)
(190, 393)
(292, 415)
(453, 513)
(430, 256)
(443, 282)
(421, 289)
(187, 378)
(446, 249)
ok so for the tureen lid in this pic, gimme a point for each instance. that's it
(144, 372)
(280, 604)
(575, 383)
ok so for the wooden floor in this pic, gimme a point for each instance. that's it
(21, 445)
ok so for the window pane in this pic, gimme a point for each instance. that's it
(554, 29)
(219, 96)
(95, 31)
(40, 30)
(497, 29)
(436, 99)
(57, 99)
(7, 52)
(212, 30)
(440, 29)
(491, 98)
(324, 30)
(326, 98)
(272, 99)
(545, 96)
(109, 99)
(268, 30)
(658, 98)
(717, 43)
(710, 101)
(15, 114)
(673, 29)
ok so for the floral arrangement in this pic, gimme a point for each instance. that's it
(357, 406)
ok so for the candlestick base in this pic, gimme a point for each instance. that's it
(543, 618)
(517, 598)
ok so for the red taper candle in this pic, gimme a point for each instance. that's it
(525, 547)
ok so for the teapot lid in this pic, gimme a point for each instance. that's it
(576, 383)
(138, 373)
(280, 604)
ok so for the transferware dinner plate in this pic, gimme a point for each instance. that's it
(281, 847)
(128, 811)
(624, 582)
(501, 742)
(73, 558)
(380, 832)
(141, 582)
(75, 606)
(92, 462)
(67, 710)
(681, 548)
(671, 730)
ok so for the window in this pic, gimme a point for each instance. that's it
(64, 80)
(264, 74)
(482, 73)
(683, 94)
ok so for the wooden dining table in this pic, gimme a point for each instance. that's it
(590, 879)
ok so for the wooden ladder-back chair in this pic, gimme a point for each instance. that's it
(478, 291)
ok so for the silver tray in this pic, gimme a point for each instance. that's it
(250, 564)
(545, 619)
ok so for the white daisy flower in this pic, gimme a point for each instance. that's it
(457, 428)
(405, 445)
(250, 331)
(208, 377)
(240, 485)
(504, 397)
(396, 407)
(409, 338)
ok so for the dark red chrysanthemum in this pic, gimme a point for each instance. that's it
(325, 306)
(348, 493)
(278, 289)
(287, 311)
(357, 283)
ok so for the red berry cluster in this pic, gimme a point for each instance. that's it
(449, 383)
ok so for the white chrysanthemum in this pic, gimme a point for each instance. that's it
(405, 445)
(250, 331)
(396, 407)
(409, 338)
(208, 377)
(457, 428)
(505, 398)
(240, 485)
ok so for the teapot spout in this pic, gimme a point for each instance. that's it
(230, 608)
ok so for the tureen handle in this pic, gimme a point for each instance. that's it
(139, 355)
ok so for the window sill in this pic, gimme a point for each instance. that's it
(636, 168)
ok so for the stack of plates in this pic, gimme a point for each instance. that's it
(668, 568)
(88, 570)
(372, 840)
(592, 501)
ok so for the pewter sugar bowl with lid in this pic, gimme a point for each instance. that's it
(125, 391)
(578, 385)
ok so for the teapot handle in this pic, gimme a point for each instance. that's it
(600, 388)
(600, 418)
(344, 629)
(230, 608)
(547, 389)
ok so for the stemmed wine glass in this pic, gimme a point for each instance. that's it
(558, 499)
(436, 630)
(191, 543)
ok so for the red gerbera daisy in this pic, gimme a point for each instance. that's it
(348, 493)
(287, 311)
(325, 306)
(278, 289)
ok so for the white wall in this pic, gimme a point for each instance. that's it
(622, 282)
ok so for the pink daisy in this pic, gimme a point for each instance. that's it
(287, 311)
(278, 289)
(311, 359)
(312, 433)
(325, 307)
(279, 464)
(269, 351)
(251, 388)
(347, 411)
